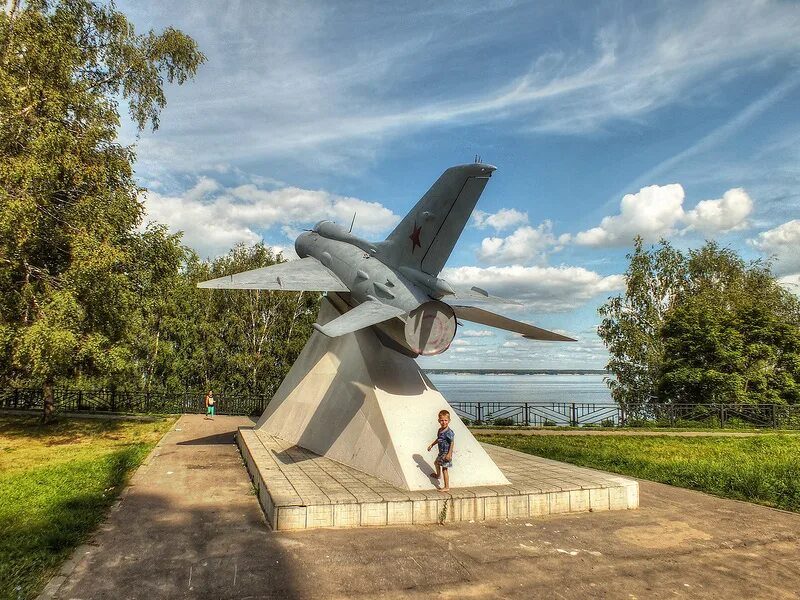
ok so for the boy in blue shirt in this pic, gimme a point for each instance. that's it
(444, 440)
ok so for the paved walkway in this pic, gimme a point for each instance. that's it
(190, 527)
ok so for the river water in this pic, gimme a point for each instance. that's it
(523, 388)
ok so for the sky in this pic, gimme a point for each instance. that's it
(606, 120)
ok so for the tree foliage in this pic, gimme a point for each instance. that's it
(69, 206)
(631, 326)
(90, 298)
(701, 327)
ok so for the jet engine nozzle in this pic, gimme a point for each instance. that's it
(430, 328)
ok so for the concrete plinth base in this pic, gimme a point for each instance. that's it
(299, 489)
(353, 400)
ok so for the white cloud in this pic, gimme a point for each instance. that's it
(269, 66)
(214, 218)
(791, 283)
(477, 333)
(657, 211)
(543, 289)
(782, 242)
(502, 219)
(652, 213)
(526, 244)
(727, 213)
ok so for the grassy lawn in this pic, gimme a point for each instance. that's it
(764, 469)
(56, 484)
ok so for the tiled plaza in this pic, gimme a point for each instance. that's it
(301, 490)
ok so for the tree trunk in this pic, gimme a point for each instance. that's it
(49, 402)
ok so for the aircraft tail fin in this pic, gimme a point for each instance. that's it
(426, 236)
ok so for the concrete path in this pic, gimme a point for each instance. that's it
(189, 527)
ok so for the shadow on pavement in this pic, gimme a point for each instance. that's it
(227, 437)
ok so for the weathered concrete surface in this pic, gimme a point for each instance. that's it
(190, 528)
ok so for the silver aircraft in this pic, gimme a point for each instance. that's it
(394, 286)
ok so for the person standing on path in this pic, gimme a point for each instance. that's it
(210, 405)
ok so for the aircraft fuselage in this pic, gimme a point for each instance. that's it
(430, 325)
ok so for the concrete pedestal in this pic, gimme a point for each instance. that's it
(352, 400)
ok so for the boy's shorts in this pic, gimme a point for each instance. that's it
(210, 411)
(445, 464)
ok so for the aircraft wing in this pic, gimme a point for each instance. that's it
(363, 315)
(484, 317)
(476, 294)
(304, 275)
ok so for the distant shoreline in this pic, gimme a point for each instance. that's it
(516, 372)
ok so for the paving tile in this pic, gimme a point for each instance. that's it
(291, 517)
(538, 505)
(319, 516)
(495, 507)
(579, 500)
(373, 513)
(425, 511)
(517, 506)
(598, 499)
(633, 495)
(347, 515)
(618, 498)
(400, 513)
(471, 509)
(559, 502)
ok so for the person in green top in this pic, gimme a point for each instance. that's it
(210, 405)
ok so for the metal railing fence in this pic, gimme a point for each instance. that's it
(535, 414)
(120, 401)
(577, 414)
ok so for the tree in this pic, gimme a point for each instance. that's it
(631, 326)
(251, 337)
(733, 337)
(705, 327)
(69, 205)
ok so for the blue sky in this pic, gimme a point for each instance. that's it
(605, 120)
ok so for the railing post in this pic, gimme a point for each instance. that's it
(478, 412)
(80, 401)
(722, 415)
(573, 418)
(774, 417)
(113, 400)
(527, 416)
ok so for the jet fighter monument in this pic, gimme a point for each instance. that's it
(355, 394)
(394, 286)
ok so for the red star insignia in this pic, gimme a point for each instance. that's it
(414, 237)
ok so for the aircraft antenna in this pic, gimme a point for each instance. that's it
(353, 222)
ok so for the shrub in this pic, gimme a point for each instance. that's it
(503, 422)
(549, 423)
(607, 423)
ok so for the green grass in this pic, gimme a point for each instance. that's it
(57, 482)
(764, 469)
